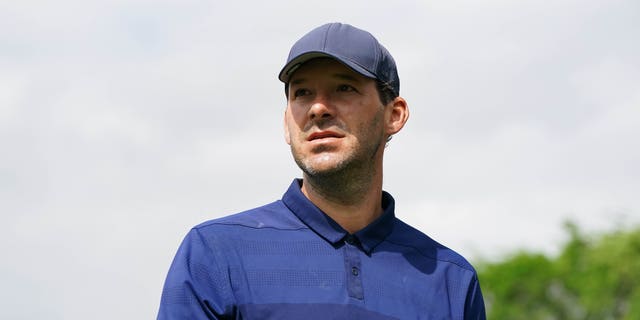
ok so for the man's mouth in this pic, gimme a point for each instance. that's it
(323, 135)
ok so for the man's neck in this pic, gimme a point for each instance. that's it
(352, 205)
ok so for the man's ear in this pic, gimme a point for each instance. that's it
(287, 137)
(396, 116)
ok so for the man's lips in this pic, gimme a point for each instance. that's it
(323, 135)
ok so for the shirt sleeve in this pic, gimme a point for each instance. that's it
(197, 285)
(474, 306)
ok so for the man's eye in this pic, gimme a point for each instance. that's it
(346, 88)
(301, 92)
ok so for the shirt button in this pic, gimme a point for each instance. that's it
(350, 240)
(355, 271)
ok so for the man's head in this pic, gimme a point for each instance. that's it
(342, 102)
(355, 48)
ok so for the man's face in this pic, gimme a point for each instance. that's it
(334, 118)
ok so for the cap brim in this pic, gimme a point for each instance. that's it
(298, 61)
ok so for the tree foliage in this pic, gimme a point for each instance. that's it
(594, 277)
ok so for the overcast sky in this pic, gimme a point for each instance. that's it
(125, 123)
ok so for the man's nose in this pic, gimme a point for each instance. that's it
(321, 108)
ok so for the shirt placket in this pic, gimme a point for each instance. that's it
(353, 268)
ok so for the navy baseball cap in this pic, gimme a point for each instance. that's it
(355, 48)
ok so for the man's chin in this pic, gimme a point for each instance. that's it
(322, 167)
(320, 171)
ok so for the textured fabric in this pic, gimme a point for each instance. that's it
(288, 260)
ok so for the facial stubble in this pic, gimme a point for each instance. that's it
(348, 180)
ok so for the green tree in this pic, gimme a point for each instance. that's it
(595, 277)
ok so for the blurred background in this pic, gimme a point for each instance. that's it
(125, 123)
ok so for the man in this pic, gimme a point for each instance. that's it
(331, 248)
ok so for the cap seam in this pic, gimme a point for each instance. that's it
(326, 36)
(379, 53)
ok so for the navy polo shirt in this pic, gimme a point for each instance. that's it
(289, 260)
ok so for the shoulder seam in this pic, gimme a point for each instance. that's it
(246, 226)
(465, 267)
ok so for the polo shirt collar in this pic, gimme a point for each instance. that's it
(368, 238)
